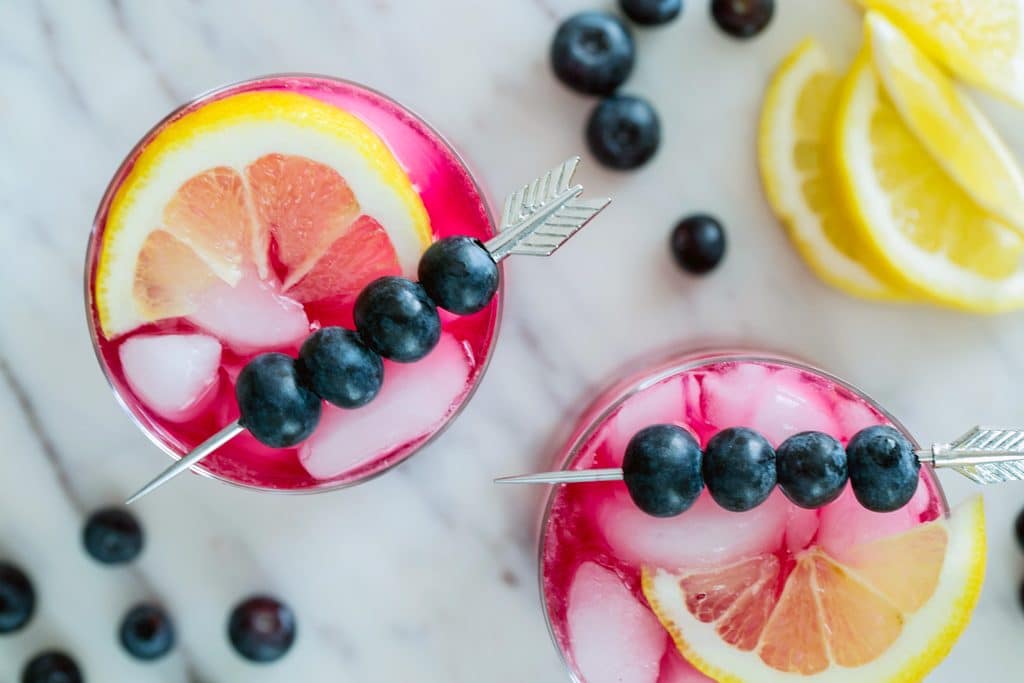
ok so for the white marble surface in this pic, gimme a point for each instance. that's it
(426, 574)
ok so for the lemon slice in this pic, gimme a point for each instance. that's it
(215, 188)
(945, 121)
(792, 151)
(887, 610)
(982, 41)
(918, 224)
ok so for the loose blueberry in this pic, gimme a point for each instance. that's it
(340, 368)
(1019, 529)
(593, 53)
(742, 18)
(147, 632)
(698, 243)
(739, 469)
(623, 132)
(397, 319)
(51, 667)
(651, 12)
(884, 470)
(262, 629)
(459, 275)
(17, 599)
(113, 536)
(661, 469)
(275, 406)
(811, 468)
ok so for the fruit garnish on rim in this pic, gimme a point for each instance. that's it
(302, 226)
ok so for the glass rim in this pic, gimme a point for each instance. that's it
(93, 244)
(646, 373)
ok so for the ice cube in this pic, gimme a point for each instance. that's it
(854, 416)
(251, 316)
(728, 394)
(414, 399)
(613, 638)
(661, 403)
(174, 375)
(845, 523)
(675, 669)
(776, 402)
(791, 403)
(703, 536)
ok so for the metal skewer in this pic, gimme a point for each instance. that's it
(986, 455)
(536, 220)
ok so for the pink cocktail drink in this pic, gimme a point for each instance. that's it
(596, 545)
(316, 230)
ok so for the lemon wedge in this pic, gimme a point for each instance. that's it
(793, 155)
(946, 123)
(982, 41)
(918, 225)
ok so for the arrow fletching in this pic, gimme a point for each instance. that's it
(986, 455)
(540, 217)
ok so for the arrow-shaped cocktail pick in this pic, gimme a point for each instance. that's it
(536, 220)
(986, 455)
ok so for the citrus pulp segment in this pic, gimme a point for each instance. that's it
(797, 175)
(226, 177)
(875, 616)
(917, 224)
(958, 136)
(982, 41)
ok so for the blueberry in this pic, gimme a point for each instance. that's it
(147, 632)
(739, 468)
(651, 12)
(884, 470)
(340, 368)
(459, 275)
(661, 469)
(811, 467)
(262, 629)
(113, 536)
(1019, 529)
(623, 132)
(742, 18)
(397, 319)
(698, 243)
(17, 599)
(275, 406)
(593, 53)
(51, 667)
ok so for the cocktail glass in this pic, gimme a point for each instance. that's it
(594, 542)
(417, 400)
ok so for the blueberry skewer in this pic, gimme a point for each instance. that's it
(279, 398)
(664, 474)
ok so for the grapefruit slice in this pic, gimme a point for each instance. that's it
(886, 609)
(359, 256)
(299, 190)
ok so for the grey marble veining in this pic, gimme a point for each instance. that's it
(428, 573)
